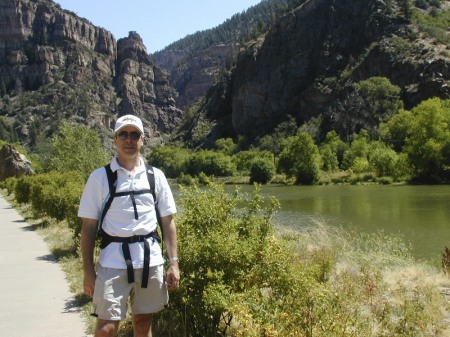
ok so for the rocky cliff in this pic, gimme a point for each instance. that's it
(310, 58)
(55, 65)
(193, 73)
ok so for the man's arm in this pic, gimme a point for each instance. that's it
(88, 233)
(170, 241)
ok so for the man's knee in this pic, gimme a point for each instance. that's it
(106, 328)
(142, 324)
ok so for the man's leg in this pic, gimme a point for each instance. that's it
(106, 328)
(142, 325)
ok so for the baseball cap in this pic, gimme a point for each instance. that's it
(129, 120)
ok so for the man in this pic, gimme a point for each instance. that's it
(128, 237)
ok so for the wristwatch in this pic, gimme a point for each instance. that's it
(174, 259)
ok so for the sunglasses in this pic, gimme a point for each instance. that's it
(133, 135)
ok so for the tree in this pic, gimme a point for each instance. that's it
(227, 146)
(77, 148)
(244, 159)
(395, 130)
(276, 141)
(301, 159)
(428, 139)
(332, 151)
(355, 157)
(261, 171)
(371, 102)
(385, 161)
(210, 163)
(172, 160)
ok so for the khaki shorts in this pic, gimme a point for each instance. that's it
(112, 291)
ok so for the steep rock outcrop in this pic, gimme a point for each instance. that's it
(13, 163)
(309, 59)
(143, 87)
(57, 66)
(193, 73)
(316, 41)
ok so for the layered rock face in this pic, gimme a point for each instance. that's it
(80, 71)
(192, 74)
(144, 88)
(315, 42)
(297, 69)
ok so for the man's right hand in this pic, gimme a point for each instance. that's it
(89, 283)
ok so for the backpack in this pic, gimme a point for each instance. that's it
(106, 239)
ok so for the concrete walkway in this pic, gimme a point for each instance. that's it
(35, 299)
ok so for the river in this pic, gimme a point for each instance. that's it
(419, 214)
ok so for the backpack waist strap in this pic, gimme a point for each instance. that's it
(106, 239)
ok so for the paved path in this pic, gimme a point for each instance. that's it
(35, 299)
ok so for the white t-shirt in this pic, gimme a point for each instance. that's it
(120, 218)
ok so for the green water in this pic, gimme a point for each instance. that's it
(420, 214)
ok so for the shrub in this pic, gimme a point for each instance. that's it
(185, 179)
(301, 159)
(244, 159)
(210, 163)
(170, 159)
(228, 253)
(261, 171)
(9, 184)
(77, 148)
(22, 189)
(53, 194)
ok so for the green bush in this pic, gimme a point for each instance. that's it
(22, 189)
(244, 159)
(227, 253)
(301, 159)
(9, 184)
(77, 148)
(210, 163)
(53, 194)
(261, 171)
(185, 179)
(170, 159)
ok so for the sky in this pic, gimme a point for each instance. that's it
(158, 22)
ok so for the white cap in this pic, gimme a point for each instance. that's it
(129, 120)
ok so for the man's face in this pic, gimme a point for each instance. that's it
(128, 141)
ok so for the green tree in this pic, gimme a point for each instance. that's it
(429, 139)
(301, 159)
(385, 161)
(276, 141)
(261, 171)
(172, 160)
(210, 163)
(395, 131)
(227, 146)
(371, 102)
(244, 159)
(332, 151)
(77, 148)
(355, 158)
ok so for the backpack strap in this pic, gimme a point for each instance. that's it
(112, 182)
(151, 181)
